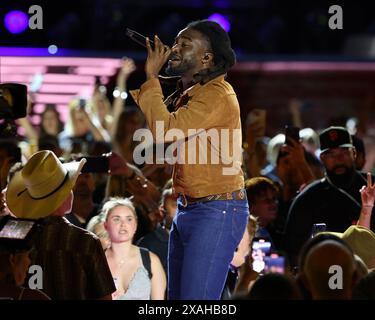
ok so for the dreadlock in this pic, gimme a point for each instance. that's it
(224, 56)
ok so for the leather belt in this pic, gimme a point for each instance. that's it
(235, 195)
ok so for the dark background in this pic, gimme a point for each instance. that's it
(258, 27)
(262, 31)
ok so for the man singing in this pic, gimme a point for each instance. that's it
(212, 206)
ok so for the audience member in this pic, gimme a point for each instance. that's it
(73, 262)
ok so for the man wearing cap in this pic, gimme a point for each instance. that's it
(72, 260)
(334, 200)
(212, 209)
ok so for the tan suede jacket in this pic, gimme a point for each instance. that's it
(209, 135)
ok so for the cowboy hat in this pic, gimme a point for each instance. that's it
(362, 242)
(41, 186)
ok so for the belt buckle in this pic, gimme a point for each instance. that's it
(241, 195)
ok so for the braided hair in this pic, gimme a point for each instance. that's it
(224, 56)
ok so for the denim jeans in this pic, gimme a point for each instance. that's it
(202, 242)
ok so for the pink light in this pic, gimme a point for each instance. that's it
(22, 69)
(35, 120)
(104, 80)
(21, 131)
(63, 88)
(64, 112)
(25, 79)
(55, 61)
(95, 71)
(86, 92)
(39, 108)
(53, 98)
(68, 78)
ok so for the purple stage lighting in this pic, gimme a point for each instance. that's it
(220, 19)
(16, 21)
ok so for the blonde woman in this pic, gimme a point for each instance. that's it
(138, 273)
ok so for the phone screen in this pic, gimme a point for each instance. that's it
(260, 248)
(96, 164)
(16, 229)
(274, 263)
(291, 133)
(318, 227)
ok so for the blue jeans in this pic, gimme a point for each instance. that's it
(202, 242)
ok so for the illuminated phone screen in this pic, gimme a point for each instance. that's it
(14, 229)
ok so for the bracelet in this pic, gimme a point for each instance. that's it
(367, 206)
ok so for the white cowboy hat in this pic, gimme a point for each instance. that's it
(41, 186)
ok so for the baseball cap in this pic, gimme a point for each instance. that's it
(335, 137)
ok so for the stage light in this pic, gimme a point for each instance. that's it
(220, 19)
(16, 21)
(52, 49)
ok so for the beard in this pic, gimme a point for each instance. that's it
(181, 68)
(342, 179)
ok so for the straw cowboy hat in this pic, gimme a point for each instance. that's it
(362, 242)
(42, 185)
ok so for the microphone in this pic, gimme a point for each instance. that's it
(138, 38)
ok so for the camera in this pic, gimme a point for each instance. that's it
(13, 104)
(17, 234)
(13, 100)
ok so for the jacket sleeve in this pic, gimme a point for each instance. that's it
(200, 112)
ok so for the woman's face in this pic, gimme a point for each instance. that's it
(80, 123)
(50, 123)
(121, 224)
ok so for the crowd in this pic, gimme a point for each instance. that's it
(104, 234)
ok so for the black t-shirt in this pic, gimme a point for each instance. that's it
(322, 202)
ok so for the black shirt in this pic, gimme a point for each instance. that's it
(323, 202)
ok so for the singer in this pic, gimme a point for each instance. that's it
(212, 206)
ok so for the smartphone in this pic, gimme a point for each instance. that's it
(318, 227)
(274, 263)
(16, 229)
(95, 164)
(291, 133)
(138, 38)
(17, 233)
(260, 248)
(81, 103)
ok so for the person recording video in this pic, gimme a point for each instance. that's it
(15, 261)
(73, 262)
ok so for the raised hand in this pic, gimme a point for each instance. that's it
(128, 66)
(368, 192)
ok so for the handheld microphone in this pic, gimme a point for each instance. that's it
(138, 38)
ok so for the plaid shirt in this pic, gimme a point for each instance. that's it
(73, 262)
